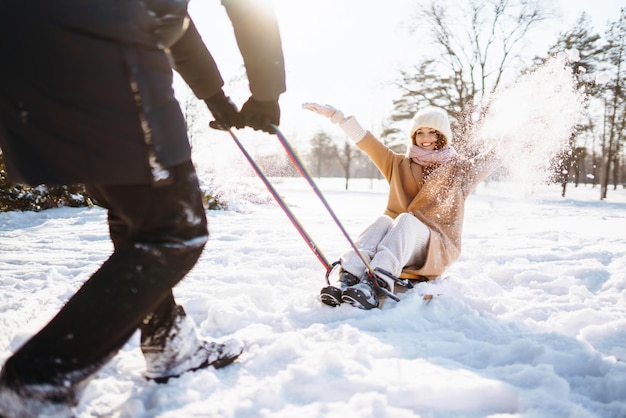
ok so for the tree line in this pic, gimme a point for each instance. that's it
(478, 46)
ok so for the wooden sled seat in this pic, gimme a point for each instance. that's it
(414, 278)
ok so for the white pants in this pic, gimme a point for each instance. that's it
(389, 244)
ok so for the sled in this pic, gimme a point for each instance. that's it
(415, 278)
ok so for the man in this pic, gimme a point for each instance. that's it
(86, 97)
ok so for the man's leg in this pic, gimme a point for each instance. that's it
(168, 231)
(168, 336)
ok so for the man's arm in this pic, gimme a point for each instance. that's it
(258, 37)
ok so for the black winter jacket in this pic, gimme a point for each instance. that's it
(86, 95)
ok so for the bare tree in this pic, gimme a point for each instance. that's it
(346, 154)
(476, 42)
(615, 104)
(195, 113)
(322, 149)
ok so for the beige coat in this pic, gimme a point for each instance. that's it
(438, 203)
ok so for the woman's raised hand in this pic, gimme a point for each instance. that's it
(336, 116)
(350, 125)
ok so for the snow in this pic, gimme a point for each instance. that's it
(530, 321)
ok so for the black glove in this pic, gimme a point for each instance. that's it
(224, 111)
(259, 115)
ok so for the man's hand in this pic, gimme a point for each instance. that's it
(224, 111)
(261, 115)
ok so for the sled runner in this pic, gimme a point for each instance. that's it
(329, 294)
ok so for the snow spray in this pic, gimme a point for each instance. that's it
(531, 122)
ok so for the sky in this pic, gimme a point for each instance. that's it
(346, 53)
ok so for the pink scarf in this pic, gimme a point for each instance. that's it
(426, 157)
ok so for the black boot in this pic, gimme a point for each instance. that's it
(331, 295)
(363, 295)
(175, 349)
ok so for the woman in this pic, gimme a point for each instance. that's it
(420, 230)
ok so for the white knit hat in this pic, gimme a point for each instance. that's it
(435, 118)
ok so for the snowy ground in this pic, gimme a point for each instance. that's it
(530, 322)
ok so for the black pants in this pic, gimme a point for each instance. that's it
(158, 235)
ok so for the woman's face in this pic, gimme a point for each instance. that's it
(426, 138)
